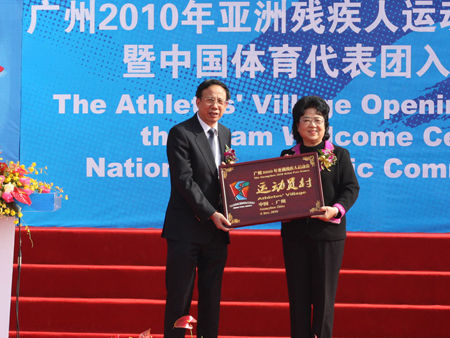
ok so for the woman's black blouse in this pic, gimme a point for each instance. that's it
(339, 185)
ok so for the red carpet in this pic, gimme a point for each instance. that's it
(110, 283)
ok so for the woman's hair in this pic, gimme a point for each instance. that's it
(299, 110)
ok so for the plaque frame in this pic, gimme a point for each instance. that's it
(271, 190)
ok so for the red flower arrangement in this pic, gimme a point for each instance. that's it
(185, 322)
(16, 186)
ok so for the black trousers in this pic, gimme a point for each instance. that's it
(183, 259)
(312, 272)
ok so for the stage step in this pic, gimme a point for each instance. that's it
(365, 251)
(237, 318)
(110, 283)
(355, 286)
(29, 334)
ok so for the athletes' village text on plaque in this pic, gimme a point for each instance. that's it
(271, 190)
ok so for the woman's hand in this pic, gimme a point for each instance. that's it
(329, 213)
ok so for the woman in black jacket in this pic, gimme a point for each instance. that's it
(313, 246)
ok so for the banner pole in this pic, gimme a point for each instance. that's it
(6, 271)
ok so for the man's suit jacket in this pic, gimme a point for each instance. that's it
(195, 190)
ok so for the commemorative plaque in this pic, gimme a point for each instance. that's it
(271, 190)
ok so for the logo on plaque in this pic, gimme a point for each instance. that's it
(240, 190)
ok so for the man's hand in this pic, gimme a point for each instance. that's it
(220, 221)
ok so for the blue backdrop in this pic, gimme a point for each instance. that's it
(10, 67)
(104, 81)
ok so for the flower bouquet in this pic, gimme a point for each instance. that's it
(327, 159)
(229, 155)
(17, 185)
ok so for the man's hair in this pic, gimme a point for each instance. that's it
(208, 83)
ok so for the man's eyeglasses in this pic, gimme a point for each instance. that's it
(212, 100)
(315, 120)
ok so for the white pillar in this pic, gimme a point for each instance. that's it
(6, 269)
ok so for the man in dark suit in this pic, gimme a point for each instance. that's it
(195, 229)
